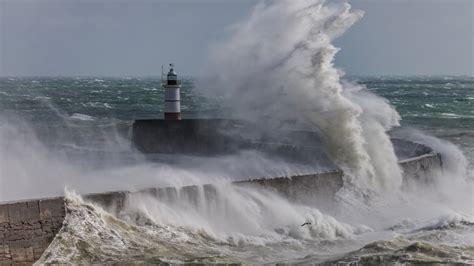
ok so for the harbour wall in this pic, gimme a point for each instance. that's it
(28, 227)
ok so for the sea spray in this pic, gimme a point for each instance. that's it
(422, 223)
(277, 66)
(90, 234)
(453, 188)
(29, 168)
(230, 212)
(454, 161)
(240, 225)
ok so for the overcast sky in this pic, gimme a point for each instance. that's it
(135, 37)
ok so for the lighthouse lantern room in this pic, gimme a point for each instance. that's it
(172, 96)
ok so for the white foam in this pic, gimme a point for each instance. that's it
(82, 117)
(281, 69)
(240, 214)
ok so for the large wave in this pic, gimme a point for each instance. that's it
(236, 225)
(277, 66)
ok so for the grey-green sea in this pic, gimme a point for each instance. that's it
(74, 133)
(440, 106)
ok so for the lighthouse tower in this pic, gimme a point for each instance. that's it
(172, 96)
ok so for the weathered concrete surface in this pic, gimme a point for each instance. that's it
(316, 189)
(422, 168)
(27, 228)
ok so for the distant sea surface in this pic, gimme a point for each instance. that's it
(441, 106)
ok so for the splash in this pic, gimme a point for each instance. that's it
(277, 66)
(239, 225)
(29, 168)
(235, 214)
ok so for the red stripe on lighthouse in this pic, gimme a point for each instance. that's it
(172, 116)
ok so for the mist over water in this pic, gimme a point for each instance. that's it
(276, 66)
(108, 162)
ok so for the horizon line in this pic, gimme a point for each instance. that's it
(196, 76)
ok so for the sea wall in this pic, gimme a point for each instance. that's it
(315, 189)
(187, 136)
(223, 136)
(28, 227)
(422, 168)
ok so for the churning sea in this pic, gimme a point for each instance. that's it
(441, 106)
(95, 113)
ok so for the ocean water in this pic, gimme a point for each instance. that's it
(275, 68)
(440, 106)
(74, 117)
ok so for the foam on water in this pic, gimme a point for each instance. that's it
(280, 70)
(232, 224)
(82, 117)
(240, 225)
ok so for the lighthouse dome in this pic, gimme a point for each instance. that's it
(172, 72)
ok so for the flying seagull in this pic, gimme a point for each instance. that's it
(306, 223)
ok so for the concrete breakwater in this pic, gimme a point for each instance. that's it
(28, 227)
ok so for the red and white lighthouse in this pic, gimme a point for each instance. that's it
(172, 96)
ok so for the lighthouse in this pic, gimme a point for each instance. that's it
(172, 96)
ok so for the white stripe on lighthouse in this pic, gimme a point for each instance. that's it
(172, 94)
(172, 107)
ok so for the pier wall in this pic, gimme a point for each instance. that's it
(28, 227)
(422, 168)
